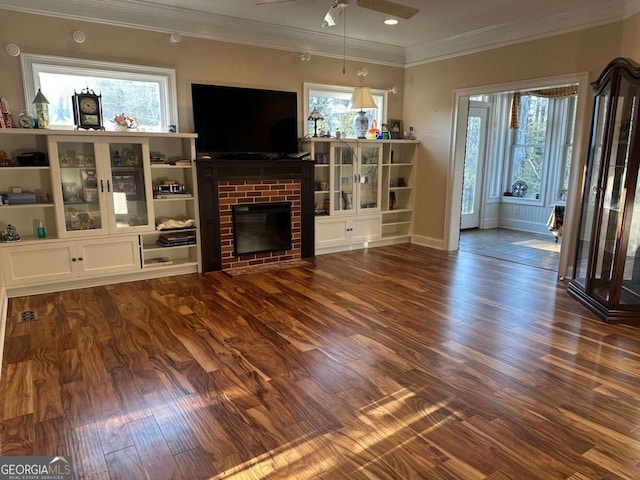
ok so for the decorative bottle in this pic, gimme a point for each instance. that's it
(40, 231)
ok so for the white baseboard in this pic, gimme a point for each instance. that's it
(380, 242)
(533, 227)
(436, 243)
(144, 274)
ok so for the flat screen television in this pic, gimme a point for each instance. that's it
(244, 120)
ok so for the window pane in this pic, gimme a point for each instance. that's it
(134, 98)
(527, 166)
(529, 147)
(471, 164)
(334, 106)
(533, 120)
(568, 148)
(144, 92)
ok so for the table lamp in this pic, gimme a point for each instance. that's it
(362, 99)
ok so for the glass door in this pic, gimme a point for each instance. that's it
(614, 194)
(592, 186)
(473, 166)
(369, 178)
(343, 179)
(130, 197)
(78, 191)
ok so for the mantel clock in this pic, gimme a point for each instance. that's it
(87, 110)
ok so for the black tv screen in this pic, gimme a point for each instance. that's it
(244, 120)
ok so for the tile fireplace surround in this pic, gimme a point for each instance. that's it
(222, 183)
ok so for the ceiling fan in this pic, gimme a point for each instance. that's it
(335, 10)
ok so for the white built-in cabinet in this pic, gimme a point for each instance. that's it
(96, 201)
(363, 191)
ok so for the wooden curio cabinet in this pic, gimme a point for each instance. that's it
(607, 265)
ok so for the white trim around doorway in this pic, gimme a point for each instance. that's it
(456, 159)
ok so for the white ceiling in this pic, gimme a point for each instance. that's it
(442, 28)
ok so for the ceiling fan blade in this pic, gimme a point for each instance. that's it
(333, 13)
(390, 8)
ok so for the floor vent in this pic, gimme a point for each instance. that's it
(28, 316)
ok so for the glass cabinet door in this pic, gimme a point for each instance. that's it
(128, 187)
(83, 206)
(631, 276)
(343, 179)
(592, 187)
(369, 178)
(605, 285)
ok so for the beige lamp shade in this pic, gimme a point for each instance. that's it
(362, 98)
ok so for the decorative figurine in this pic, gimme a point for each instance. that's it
(10, 234)
(42, 110)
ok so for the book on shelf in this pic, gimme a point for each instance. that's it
(175, 239)
(176, 235)
(6, 120)
(153, 262)
(172, 195)
(182, 163)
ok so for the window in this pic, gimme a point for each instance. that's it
(333, 102)
(146, 93)
(541, 148)
(529, 145)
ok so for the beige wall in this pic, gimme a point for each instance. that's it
(631, 38)
(195, 60)
(429, 97)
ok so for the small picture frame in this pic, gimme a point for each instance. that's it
(129, 184)
(395, 129)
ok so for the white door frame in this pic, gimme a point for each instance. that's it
(456, 158)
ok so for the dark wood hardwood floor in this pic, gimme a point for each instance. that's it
(398, 362)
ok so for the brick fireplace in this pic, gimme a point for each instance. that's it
(223, 183)
(257, 191)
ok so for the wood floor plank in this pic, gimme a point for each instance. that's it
(155, 455)
(398, 362)
(18, 393)
(84, 443)
(18, 436)
(125, 464)
(51, 437)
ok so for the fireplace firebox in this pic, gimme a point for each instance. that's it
(261, 227)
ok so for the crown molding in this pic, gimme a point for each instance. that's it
(154, 17)
(511, 33)
(632, 7)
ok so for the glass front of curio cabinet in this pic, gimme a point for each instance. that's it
(607, 265)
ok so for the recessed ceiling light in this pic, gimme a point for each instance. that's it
(391, 21)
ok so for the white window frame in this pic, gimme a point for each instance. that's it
(165, 78)
(557, 143)
(307, 87)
